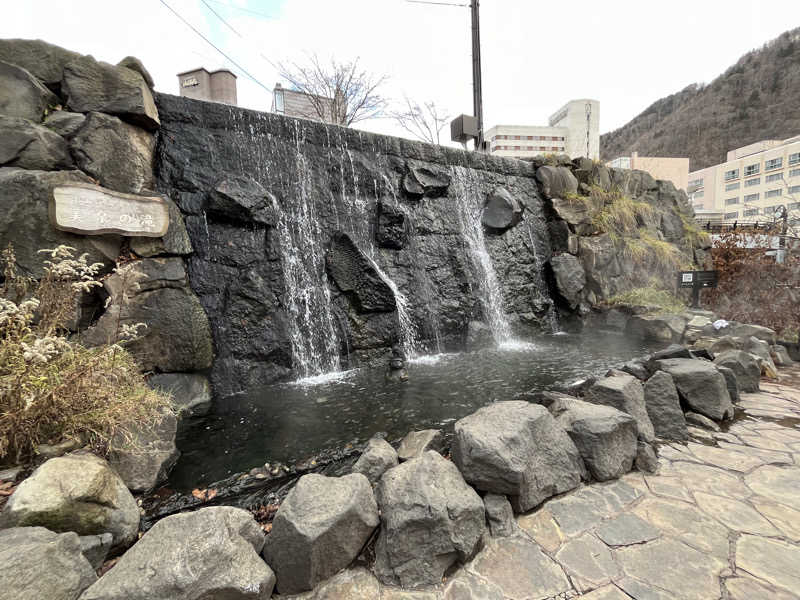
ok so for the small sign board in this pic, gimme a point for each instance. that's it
(94, 210)
(701, 279)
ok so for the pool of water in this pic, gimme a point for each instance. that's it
(289, 422)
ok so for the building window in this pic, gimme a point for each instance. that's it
(773, 177)
(795, 189)
(752, 182)
(516, 147)
(773, 193)
(751, 169)
(794, 159)
(732, 215)
(279, 108)
(732, 186)
(729, 201)
(794, 206)
(732, 174)
(750, 212)
(771, 210)
(794, 173)
(698, 194)
(751, 198)
(775, 163)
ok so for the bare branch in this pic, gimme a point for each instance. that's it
(338, 93)
(423, 122)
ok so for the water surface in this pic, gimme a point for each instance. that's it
(290, 421)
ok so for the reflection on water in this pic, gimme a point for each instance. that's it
(292, 421)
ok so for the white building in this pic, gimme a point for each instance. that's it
(574, 129)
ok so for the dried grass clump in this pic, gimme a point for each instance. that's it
(651, 295)
(648, 250)
(620, 215)
(53, 389)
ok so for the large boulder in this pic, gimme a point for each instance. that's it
(517, 449)
(657, 328)
(64, 123)
(576, 213)
(144, 454)
(430, 518)
(570, 277)
(76, 492)
(134, 64)
(357, 276)
(731, 382)
(191, 392)
(415, 443)
(21, 94)
(761, 349)
(24, 198)
(28, 145)
(178, 335)
(377, 458)
(175, 242)
(556, 182)
(44, 61)
(501, 211)
(744, 366)
(623, 392)
(605, 437)
(210, 553)
(425, 181)
(38, 564)
(89, 85)
(701, 386)
(746, 330)
(319, 529)
(601, 263)
(780, 355)
(240, 198)
(664, 407)
(117, 154)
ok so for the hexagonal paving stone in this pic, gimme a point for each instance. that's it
(784, 518)
(734, 514)
(774, 561)
(781, 484)
(687, 522)
(626, 529)
(542, 527)
(726, 459)
(520, 569)
(746, 588)
(588, 561)
(668, 564)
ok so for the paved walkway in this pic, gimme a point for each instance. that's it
(721, 520)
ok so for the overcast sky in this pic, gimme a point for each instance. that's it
(536, 55)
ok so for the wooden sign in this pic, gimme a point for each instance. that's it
(93, 210)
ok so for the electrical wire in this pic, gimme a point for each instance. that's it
(210, 43)
(216, 14)
(247, 10)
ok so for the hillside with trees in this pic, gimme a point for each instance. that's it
(755, 99)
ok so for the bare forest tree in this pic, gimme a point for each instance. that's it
(424, 122)
(340, 92)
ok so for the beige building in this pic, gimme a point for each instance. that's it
(752, 184)
(675, 170)
(211, 86)
(299, 104)
(574, 129)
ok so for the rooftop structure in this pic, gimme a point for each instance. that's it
(293, 103)
(211, 86)
(675, 170)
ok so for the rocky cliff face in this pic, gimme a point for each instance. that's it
(753, 100)
(316, 248)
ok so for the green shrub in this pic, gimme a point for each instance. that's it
(53, 389)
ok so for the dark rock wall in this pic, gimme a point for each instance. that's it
(258, 189)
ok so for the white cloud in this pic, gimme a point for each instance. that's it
(536, 55)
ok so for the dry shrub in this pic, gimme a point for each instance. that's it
(653, 296)
(753, 287)
(53, 389)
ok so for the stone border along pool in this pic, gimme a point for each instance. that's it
(535, 500)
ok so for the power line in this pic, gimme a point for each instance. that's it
(216, 14)
(437, 3)
(210, 43)
(247, 10)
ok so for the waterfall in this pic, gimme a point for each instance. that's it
(315, 346)
(552, 317)
(470, 207)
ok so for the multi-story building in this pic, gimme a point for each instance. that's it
(574, 129)
(675, 170)
(752, 184)
(211, 86)
(299, 104)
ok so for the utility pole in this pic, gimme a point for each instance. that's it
(477, 87)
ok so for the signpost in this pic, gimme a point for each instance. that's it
(93, 210)
(697, 280)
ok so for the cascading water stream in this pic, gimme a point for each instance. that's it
(469, 209)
